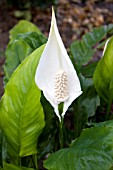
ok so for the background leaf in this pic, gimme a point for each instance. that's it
(85, 106)
(21, 114)
(46, 140)
(103, 75)
(49, 138)
(89, 100)
(82, 51)
(15, 54)
(89, 151)
(25, 37)
(19, 49)
(89, 69)
(22, 27)
(33, 39)
(13, 167)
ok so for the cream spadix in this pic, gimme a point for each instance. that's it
(55, 74)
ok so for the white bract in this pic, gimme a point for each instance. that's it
(55, 74)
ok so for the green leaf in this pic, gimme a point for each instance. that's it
(13, 167)
(21, 114)
(16, 52)
(88, 70)
(23, 26)
(19, 49)
(103, 75)
(34, 39)
(5, 156)
(25, 37)
(1, 150)
(94, 148)
(82, 51)
(85, 106)
(47, 140)
(89, 100)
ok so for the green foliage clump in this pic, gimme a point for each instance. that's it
(29, 130)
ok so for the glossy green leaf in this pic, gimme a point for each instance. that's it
(21, 114)
(1, 150)
(103, 76)
(92, 150)
(23, 26)
(13, 167)
(82, 51)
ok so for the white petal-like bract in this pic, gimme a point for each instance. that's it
(55, 74)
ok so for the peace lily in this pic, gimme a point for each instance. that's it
(55, 74)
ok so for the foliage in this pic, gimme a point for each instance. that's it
(82, 51)
(25, 37)
(22, 27)
(13, 167)
(85, 106)
(26, 118)
(90, 150)
(103, 76)
(30, 131)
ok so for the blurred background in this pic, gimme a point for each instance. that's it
(74, 18)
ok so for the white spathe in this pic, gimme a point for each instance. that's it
(55, 62)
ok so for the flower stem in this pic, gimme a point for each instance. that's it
(77, 125)
(35, 161)
(61, 135)
(109, 108)
(20, 161)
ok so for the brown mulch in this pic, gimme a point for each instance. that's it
(74, 19)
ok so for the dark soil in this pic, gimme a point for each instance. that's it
(74, 18)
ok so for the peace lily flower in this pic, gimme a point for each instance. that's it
(55, 74)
